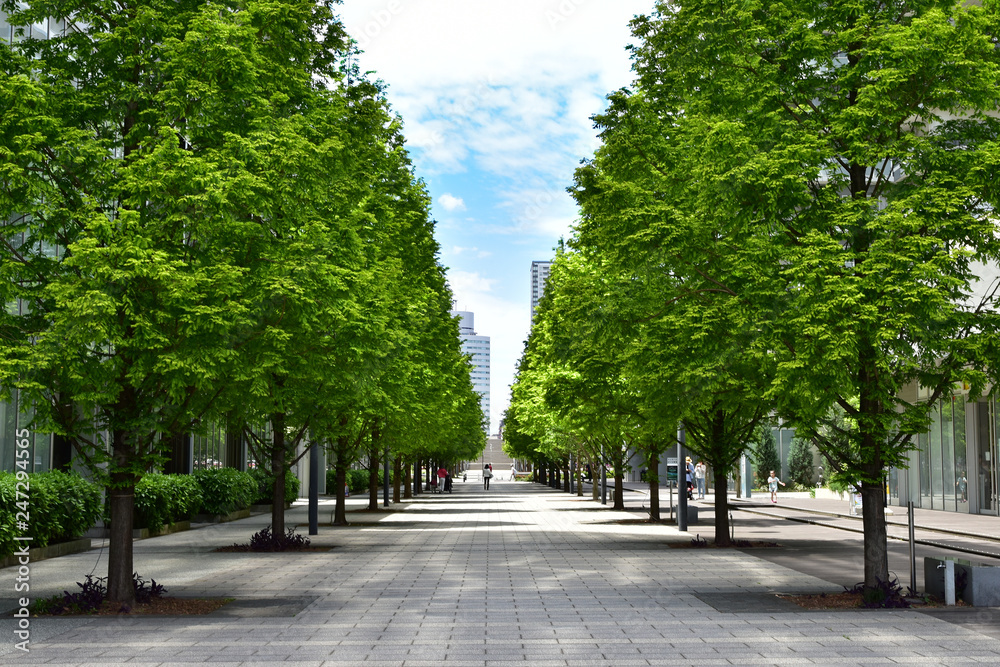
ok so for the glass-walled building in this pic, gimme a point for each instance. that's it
(953, 466)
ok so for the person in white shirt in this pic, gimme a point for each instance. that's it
(772, 486)
(699, 479)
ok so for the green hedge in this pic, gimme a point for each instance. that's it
(226, 490)
(161, 500)
(61, 506)
(265, 485)
(357, 481)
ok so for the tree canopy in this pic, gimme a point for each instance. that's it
(793, 207)
(208, 214)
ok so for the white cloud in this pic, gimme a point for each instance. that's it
(503, 87)
(473, 252)
(500, 92)
(451, 203)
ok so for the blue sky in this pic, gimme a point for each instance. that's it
(496, 98)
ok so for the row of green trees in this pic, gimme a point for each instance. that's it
(791, 213)
(209, 214)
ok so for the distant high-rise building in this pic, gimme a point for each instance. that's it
(539, 275)
(479, 348)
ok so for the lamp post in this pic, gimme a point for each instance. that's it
(385, 479)
(314, 488)
(682, 502)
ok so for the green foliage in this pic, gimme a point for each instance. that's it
(765, 454)
(61, 506)
(8, 523)
(357, 480)
(225, 490)
(198, 132)
(264, 485)
(800, 463)
(813, 201)
(161, 500)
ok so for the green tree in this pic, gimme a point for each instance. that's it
(765, 454)
(847, 182)
(692, 353)
(126, 219)
(800, 462)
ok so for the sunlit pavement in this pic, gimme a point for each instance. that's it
(518, 574)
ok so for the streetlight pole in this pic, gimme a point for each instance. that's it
(604, 480)
(385, 478)
(314, 488)
(682, 498)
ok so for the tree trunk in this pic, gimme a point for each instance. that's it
(595, 484)
(397, 477)
(417, 480)
(407, 481)
(120, 562)
(278, 469)
(340, 469)
(579, 477)
(373, 479)
(872, 436)
(566, 478)
(873, 519)
(542, 477)
(619, 488)
(652, 476)
(721, 510)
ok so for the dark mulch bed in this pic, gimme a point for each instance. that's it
(852, 600)
(735, 544)
(245, 548)
(156, 607)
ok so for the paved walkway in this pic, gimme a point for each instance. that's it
(521, 574)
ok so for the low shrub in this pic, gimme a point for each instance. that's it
(265, 540)
(92, 595)
(161, 500)
(884, 595)
(357, 480)
(265, 487)
(62, 506)
(225, 490)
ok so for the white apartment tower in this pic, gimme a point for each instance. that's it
(539, 275)
(479, 348)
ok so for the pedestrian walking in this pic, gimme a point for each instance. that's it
(689, 477)
(487, 475)
(772, 486)
(699, 479)
(513, 472)
(442, 476)
(447, 481)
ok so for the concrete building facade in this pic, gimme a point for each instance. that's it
(479, 348)
(539, 276)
